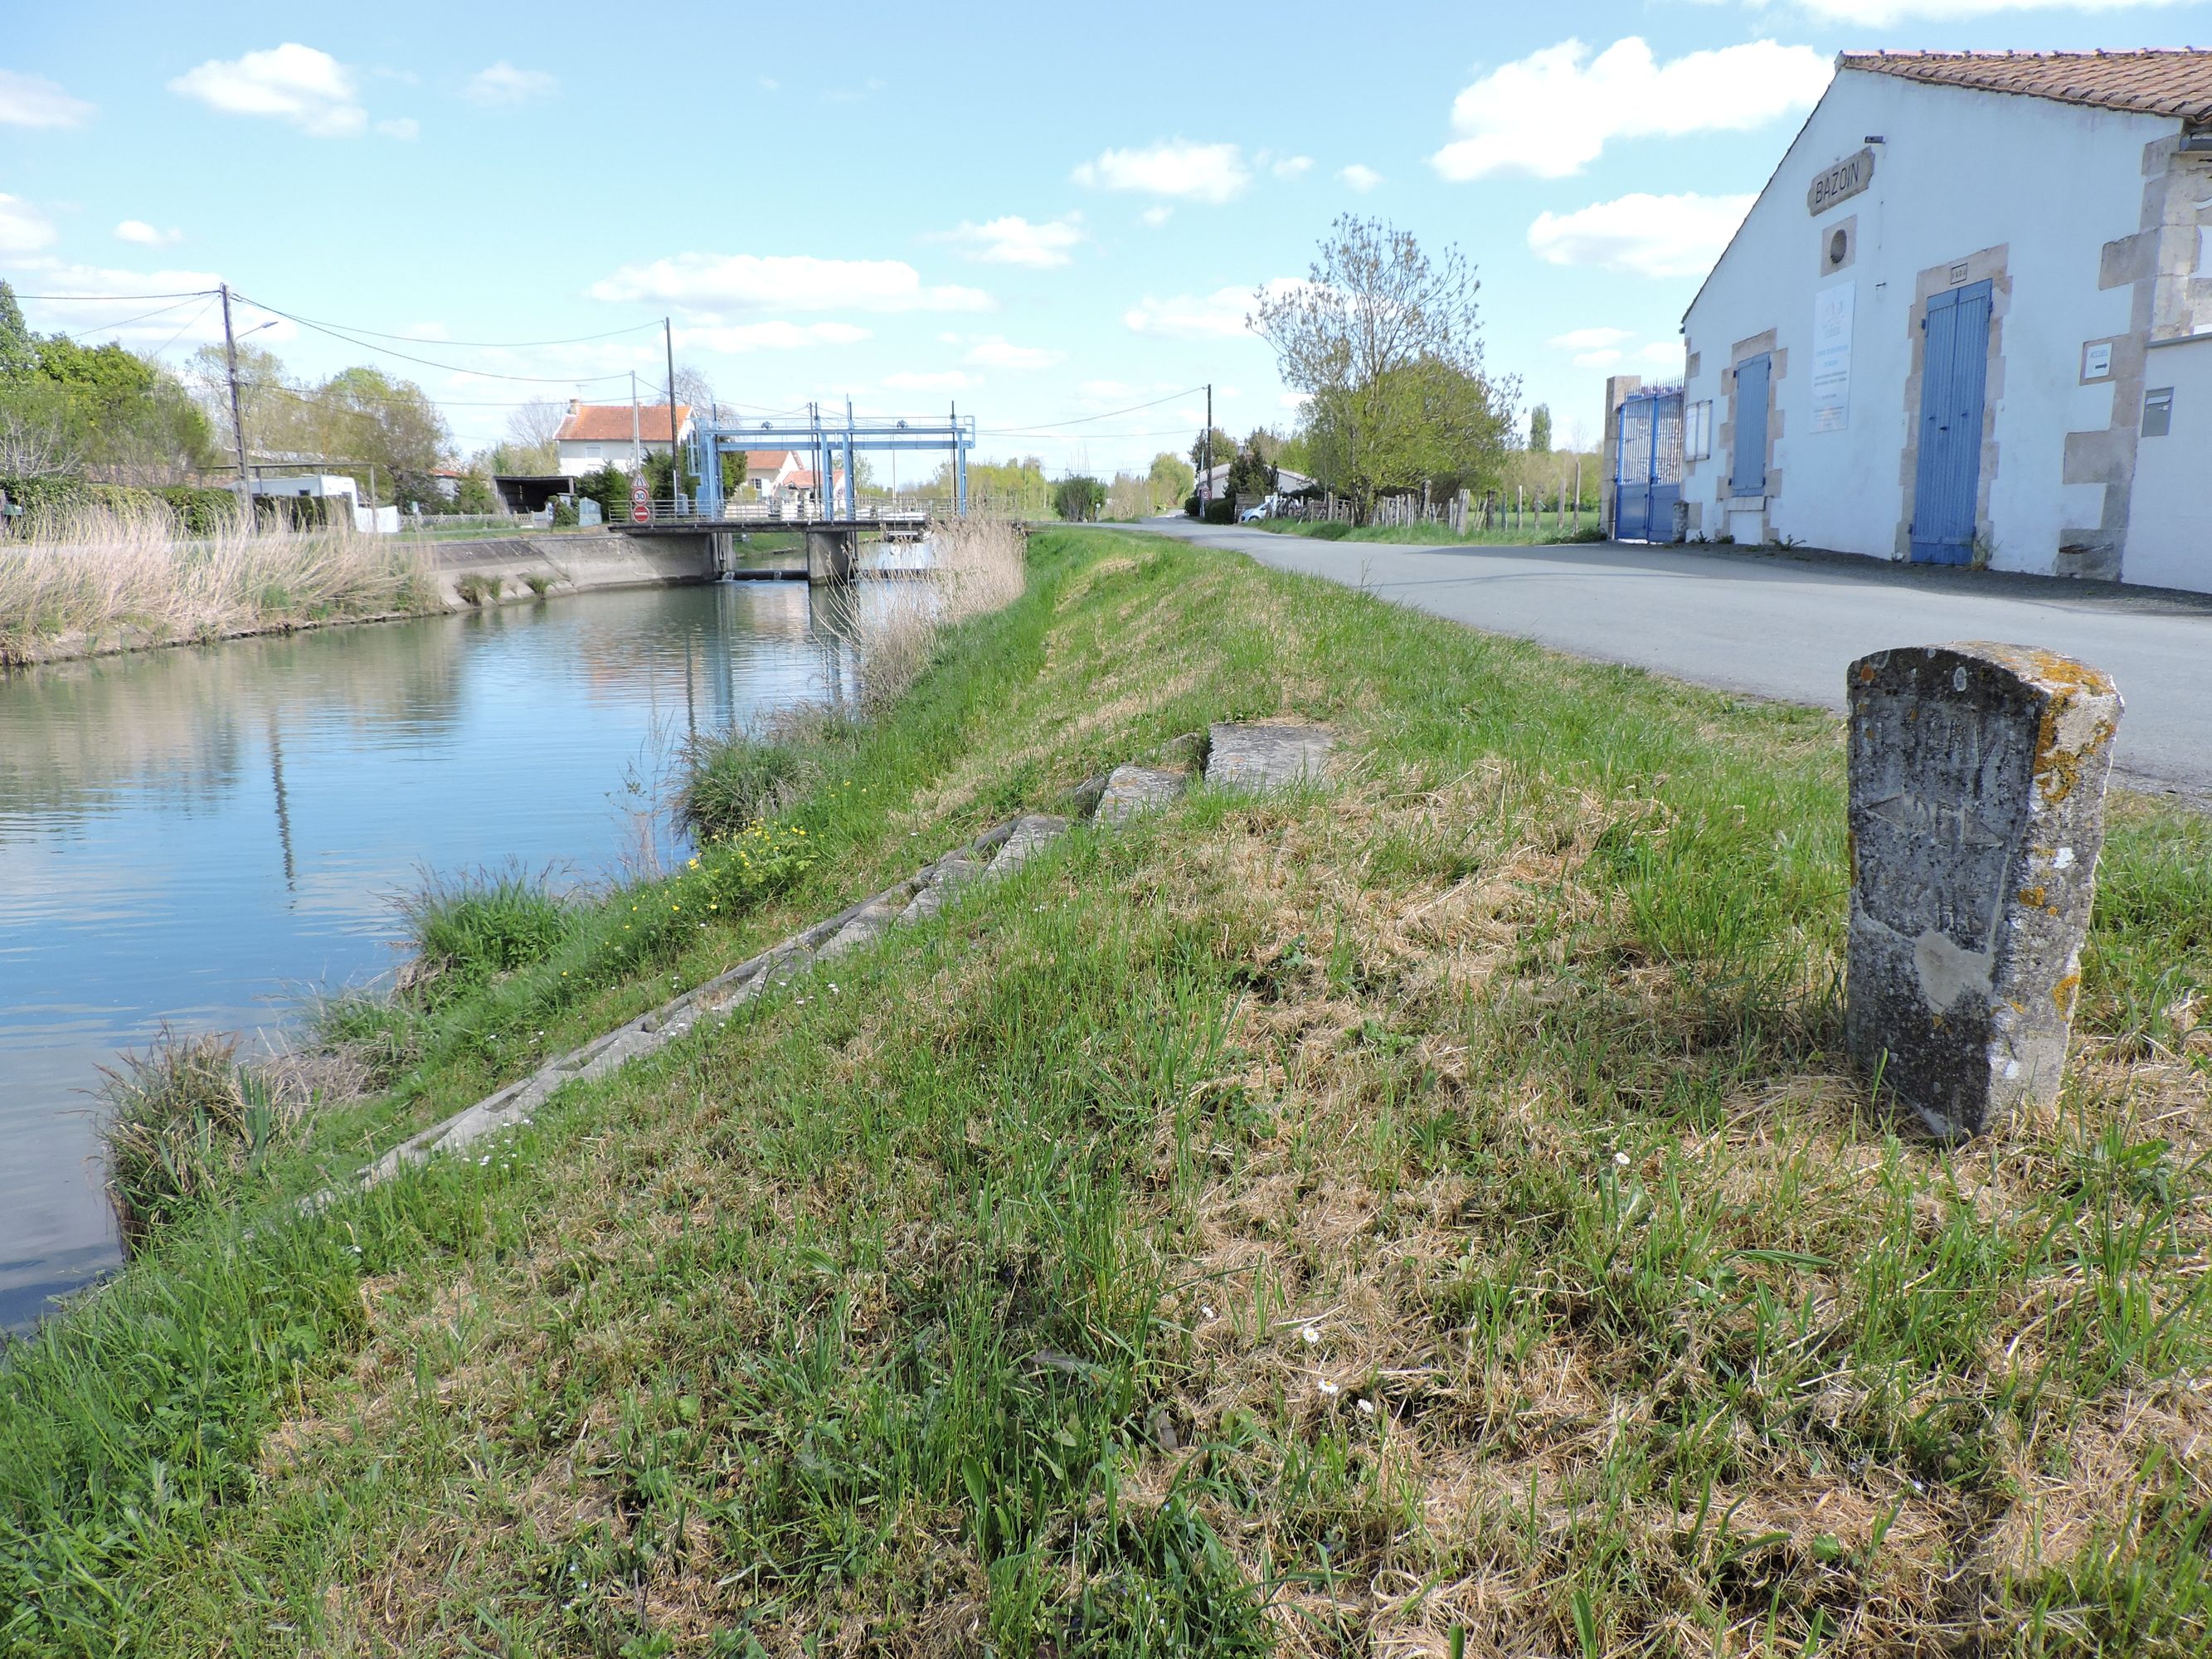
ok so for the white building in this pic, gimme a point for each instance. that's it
(593, 435)
(1959, 324)
(368, 520)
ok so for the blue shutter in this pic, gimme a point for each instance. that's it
(1749, 476)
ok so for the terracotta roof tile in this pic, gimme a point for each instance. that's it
(610, 423)
(2176, 81)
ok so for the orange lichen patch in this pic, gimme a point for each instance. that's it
(2033, 895)
(2064, 992)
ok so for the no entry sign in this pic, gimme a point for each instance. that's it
(640, 507)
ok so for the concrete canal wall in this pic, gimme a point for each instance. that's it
(502, 569)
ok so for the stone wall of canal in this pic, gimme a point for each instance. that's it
(502, 569)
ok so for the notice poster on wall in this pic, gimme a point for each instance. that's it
(1831, 358)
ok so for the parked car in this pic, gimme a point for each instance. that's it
(1253, 514)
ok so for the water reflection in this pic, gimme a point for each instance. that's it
(194, 835)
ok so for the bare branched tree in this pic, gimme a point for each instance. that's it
(32, 445)
(532, 425)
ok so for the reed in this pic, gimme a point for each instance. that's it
(96, 578)
(977, 566)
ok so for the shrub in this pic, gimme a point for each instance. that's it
(1220, 511)
(183, 1122)
(734, 780)
(467, 929)
(475, 588)
(538, 583)
(1190, 506)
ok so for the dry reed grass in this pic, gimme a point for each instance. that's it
(978, 567)
(99, 579)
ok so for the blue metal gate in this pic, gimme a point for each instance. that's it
(1947, 476)
(1647, 472)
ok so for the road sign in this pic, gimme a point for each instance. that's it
(641, 505)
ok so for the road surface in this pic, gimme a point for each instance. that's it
(1785, 627)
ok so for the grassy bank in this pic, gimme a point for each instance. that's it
(1585, 528)
(77, 584)
(1427, 1209)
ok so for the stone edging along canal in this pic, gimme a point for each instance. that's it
(1259, 757)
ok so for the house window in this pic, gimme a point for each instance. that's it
(1697, 431)
(594, 451)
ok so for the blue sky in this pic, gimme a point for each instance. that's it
(1046, 214)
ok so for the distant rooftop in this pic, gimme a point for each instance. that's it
(611, 422)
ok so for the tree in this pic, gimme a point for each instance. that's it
(18, 347)
(530, 432)
(1386, 344)
(1170, 481)
(1540, 429)
(1077, 499)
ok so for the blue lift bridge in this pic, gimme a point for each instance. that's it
(830, 446)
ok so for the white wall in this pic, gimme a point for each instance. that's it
(2170, 522)
(1960, 172)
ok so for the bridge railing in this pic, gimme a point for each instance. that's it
(905, 510)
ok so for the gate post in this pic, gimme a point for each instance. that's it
(1617, 387)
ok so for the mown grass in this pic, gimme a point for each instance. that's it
(1426, 1209)
(1531, 534)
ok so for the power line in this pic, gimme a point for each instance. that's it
(516, 345)
(430, 362)
(1085, 420)
(126, 322)
(121, 299)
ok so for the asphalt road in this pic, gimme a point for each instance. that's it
(1786, 627)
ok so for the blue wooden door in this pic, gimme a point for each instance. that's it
(1747, 461)
(1948, 474)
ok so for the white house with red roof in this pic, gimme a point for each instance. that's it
(593, 435)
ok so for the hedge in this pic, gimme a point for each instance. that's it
(198, 509)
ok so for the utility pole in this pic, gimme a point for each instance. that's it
(637, 449)
(1205, 477)
(675, 468)
(237, 420)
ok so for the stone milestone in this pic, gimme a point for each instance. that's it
(1977, 777)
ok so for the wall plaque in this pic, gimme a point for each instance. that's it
(1840, 182)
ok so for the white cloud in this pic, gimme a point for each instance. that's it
(1014, 240)
(309, 88)
(712, 283)
(1604, 359)
(1291, 166)
(1551, 113)
(138, 231)
(23, 228)
(1662, 354)
(1361, 178)
(768, 82)
(1157, 217)
(1217, 315)
(951, 381)
(31, 101)
(503, 86)
(769, 336)
(1195, 173)
(1641, 235)
(1585, 339)
(995, 353)
(401, 126)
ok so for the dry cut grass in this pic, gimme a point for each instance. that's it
(98, 578)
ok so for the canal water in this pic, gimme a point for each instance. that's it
(199, 836)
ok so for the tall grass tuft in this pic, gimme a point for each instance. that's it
(978, 565)
(74, 580)
(733, 778)
(184, 1121)
(469, 928)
